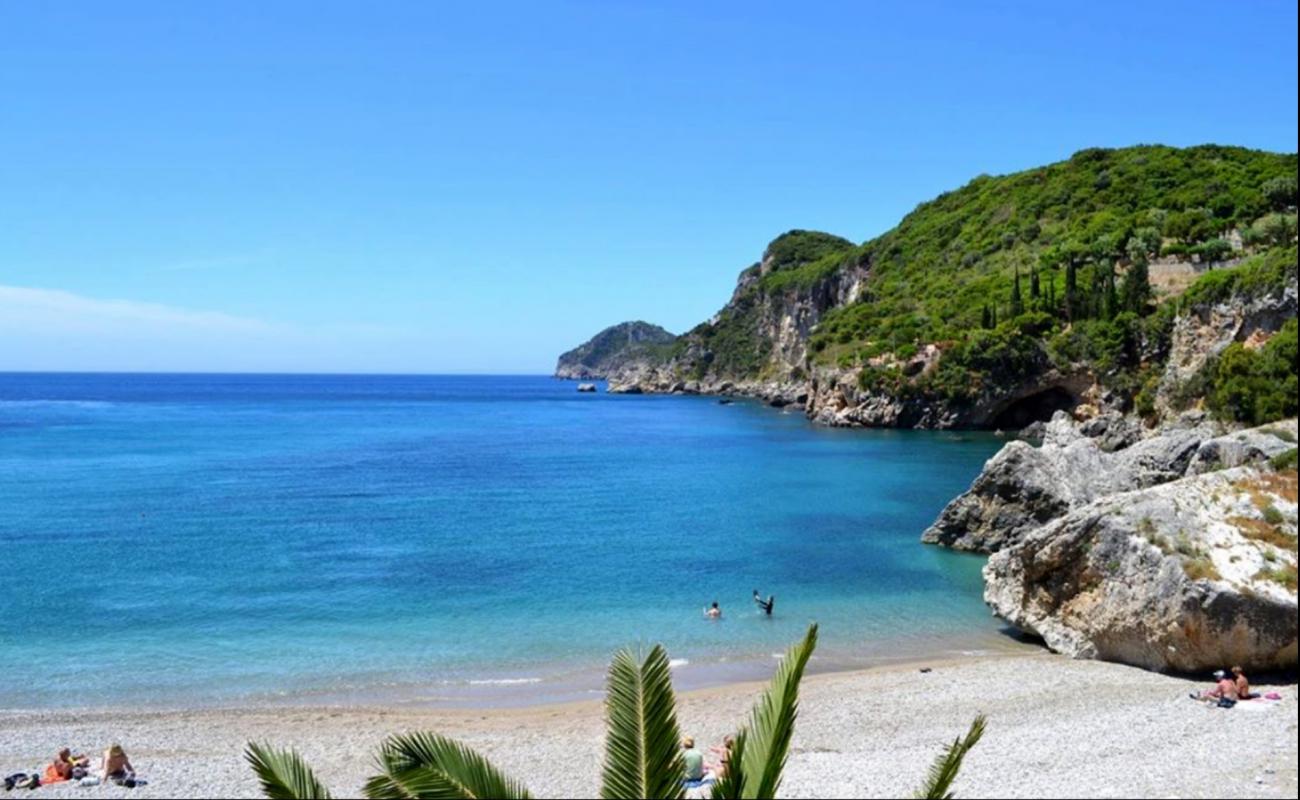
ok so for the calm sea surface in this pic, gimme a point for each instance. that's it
(199, 539)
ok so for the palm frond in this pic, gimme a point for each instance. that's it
(729, 786)
(643, 757)
(946, 766)
(771, 724)
(426, 765)
(283, 773)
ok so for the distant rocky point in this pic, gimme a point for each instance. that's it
(612, 350)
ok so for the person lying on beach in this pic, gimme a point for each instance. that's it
(766, 606)
(1243, 685)
(713, 612)
(723, 755)
(117, 767)
(693, 760)
(1224, 688)
(60, 769)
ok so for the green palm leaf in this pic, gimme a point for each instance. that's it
(945, 768)
(284, 775)
(427, 766)
(771, 724)
(643, 757)
(729, 786)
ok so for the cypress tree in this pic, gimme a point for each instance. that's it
(1071, 288)
(986, 318)
(1017, 304)
(1112, 296)
(1137, 287)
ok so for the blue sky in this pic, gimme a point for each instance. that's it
(439, 187)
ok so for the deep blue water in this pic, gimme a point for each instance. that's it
(216, 539)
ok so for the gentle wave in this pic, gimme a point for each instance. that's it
(63, 403)
(675, 663)
(503, 681)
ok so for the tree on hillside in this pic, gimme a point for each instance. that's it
(1214, 251)
(1145, 242)
(1136, 290)
(1280, 192)
(1272, 229)
(1017, 303)
(1112, 296)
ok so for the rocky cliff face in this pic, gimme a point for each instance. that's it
(757, 345)
(1024, 487)
(1203, 331)
(1190, 575)
(612, 350)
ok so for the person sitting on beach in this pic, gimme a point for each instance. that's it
(117, 767)
(1224, 688)
(1242, 685)
(713, 612)
(723, 754)
(765, 605)
(693, 760)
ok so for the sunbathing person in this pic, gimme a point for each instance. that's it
(1243, 685)
(60, 769)
(723, 754)
(117, 767)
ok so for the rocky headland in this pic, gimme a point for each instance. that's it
(612, 351)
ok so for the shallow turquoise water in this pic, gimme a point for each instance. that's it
(222, 539)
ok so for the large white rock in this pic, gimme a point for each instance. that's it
(1165, 578)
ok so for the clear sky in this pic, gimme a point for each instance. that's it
(475, 187)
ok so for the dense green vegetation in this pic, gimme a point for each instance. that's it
(1256, 386)
(1060, 239)
(1048, 268)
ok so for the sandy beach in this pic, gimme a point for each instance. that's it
(1057, 728)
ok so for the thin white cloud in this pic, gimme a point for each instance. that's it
(51, 329)
(55, 330)
(55, 311)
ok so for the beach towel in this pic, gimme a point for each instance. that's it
(52, 775)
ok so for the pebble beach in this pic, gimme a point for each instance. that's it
(1056, 728)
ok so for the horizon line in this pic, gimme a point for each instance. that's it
(235, 373)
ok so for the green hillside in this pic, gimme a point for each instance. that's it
(1054, 256)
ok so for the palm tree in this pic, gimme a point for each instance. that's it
(643, 756)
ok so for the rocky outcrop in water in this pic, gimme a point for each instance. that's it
(613, 350)
(1190, 575)
(1024, 487)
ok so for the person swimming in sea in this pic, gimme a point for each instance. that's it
(713, 612)
(766, 605)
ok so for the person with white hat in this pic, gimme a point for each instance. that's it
(1224, 688)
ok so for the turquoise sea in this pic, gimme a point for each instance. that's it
(222, 539)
